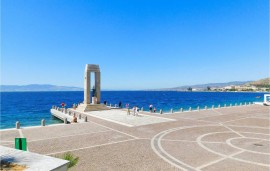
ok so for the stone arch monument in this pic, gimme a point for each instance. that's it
(91, 103)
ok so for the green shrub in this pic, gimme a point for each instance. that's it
(71, 158)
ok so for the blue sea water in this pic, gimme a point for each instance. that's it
(30, 107)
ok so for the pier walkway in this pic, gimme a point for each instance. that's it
(230, 139)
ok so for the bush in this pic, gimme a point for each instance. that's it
(71, 158)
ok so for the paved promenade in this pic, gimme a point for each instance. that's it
(230, 139)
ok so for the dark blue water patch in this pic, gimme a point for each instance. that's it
(30, 107)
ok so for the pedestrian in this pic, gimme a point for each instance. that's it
(134, 110)
(155, 110)
(151, 108)
(63, 104)
(74, 120)
(120, 104)
(137, 111)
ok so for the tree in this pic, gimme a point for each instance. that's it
(189, 89)
(208, 88)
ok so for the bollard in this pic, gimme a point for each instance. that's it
(213, 106)
(198, 108)
(160, 111)
(142, 109)
(240, 104)
(235, 104)
(249, 103)
(171, 110)
(17, 125)
(128, 111)
(110, 105)
(230, 105)
(219, 106)
(65, 110)
(225, 105)
(65, 121)
(43, 122)
(181, 109)
(245, 103)
(190, 109)
(80, 116)
(205, 107)
(85, 119)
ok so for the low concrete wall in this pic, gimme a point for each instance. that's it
(32, 161)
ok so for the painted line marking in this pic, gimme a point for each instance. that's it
(100, 145)
(232, 130)
(64, 136)
(218, 160)
(214, 110)
(115, 130)
(210, 142)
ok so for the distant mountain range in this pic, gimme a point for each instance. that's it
(262, 82)
(204, 86)
(37, 87)
(46, 87)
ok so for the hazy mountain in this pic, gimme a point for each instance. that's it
(37, 87)
(260, 83)
(204, 86)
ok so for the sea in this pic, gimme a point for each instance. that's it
(29, 108)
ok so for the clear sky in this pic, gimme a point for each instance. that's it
(139, 44)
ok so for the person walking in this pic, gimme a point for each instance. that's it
(151, 108)
(120, 104)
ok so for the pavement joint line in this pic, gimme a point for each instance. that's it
(212, 122)
(115, 130)
(241, 118)
(232, 130)
(210, 142)
(20, 132)
(218, 112)
(257, 127)
(100, 145)
(69, 136)
(158, 117)
(254, 133)
(218, 160)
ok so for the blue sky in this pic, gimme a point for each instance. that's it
(139, 44)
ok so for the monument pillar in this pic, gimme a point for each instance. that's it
(87, 83)
(97, 86)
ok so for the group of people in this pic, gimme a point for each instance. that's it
(151, 109)
(135, 110)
